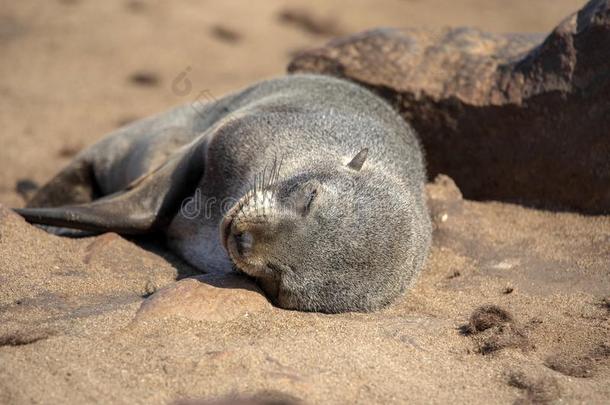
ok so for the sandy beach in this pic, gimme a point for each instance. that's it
(513, 305)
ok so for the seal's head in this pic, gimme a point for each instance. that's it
(332, 238)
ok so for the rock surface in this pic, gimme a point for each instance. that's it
(205, 298)
(510, 117)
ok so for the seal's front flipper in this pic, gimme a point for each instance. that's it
(146, 205)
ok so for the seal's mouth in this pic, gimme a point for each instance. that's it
(227, 224)
(231, 243)
(238, 245)
(225, 231)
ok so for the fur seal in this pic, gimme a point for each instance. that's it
(312, 185)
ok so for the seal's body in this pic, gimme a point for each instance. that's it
(312, 185)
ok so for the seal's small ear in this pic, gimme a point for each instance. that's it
(358, 160)
(147, 204)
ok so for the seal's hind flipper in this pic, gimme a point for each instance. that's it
(148, 204)
(73, 185)
(95, 217)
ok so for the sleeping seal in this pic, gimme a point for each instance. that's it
(312, 185)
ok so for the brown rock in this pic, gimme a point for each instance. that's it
(510, 117)
(205, 298)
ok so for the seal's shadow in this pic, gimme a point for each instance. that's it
(155, 244)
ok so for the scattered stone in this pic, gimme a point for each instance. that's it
(225, 34)
(507, 290)
(455, 274)
(308, 23)
(486, 317)
(149, 289)
(513, 117)
(493, 329)
(205, 298)
(145, 79)
(68, 151)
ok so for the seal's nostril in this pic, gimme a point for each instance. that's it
(243, 242)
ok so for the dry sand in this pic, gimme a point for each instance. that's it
(71, 327)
